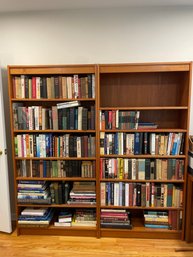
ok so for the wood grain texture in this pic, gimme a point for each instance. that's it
(58, 246)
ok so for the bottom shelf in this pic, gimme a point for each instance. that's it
(52, 230)
(142, 232)
(87, 231)
(139, 231)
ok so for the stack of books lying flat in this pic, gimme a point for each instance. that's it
(35, 217)
(156, 219)
(84, 217)
(64, 219)
(115, 218)
(83, 193)
(33, 192)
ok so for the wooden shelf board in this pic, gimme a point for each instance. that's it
(51, 99)
(142, 108)
(54, 131)
(57, 179)
(65, 231)
(56, 158)
(151, 67)
(160, 130)
(140, 208)
(143, 156)
(91, 206)
(51, 69)
(139, 180)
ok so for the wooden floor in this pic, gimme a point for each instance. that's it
(55, 246)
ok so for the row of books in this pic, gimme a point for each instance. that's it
(58, 169)
(43, 118)
(49, 87)
(115, 218)
(163, 219)
(141, 194)
(144, 169)
(117, 119)
(141, 143)
(59, 192)
(42, 217)
(109, 218)
(50, 145)
(80, 217)
(73, 193)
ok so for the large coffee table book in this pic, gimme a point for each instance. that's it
(101, 150)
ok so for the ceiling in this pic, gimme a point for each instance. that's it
(40, 5)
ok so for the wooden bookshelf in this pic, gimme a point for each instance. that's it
(54, 85)
(160, 92)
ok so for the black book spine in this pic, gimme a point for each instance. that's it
(56, 87)
(43, 92)
(147, 169)
(26, 87)
(138, 197)
(89, 85)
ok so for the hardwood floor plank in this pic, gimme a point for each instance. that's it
(58, 246)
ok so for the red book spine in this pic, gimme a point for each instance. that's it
(33, 87)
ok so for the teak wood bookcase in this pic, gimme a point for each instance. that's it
(154, 99)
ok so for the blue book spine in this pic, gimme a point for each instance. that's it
(137, 143)
(156, 226)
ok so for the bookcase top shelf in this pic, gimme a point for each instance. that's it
(146, 67)
(49, 69)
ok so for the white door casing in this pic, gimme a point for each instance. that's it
(5, 212)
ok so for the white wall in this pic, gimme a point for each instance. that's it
(96, 36)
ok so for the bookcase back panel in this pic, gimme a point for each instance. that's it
(165, 119)
(144, 89)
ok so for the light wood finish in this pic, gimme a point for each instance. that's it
(59, 246)
(161, 92)
(52, 70)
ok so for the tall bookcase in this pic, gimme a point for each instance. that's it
(52, 144)
(144, 115)
(135, 125)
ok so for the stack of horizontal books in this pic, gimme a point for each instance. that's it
(35, 217)
(84, 217)
(156, 219)
(33, 192)
(115, 218)
(83, 193)
(64, 219)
